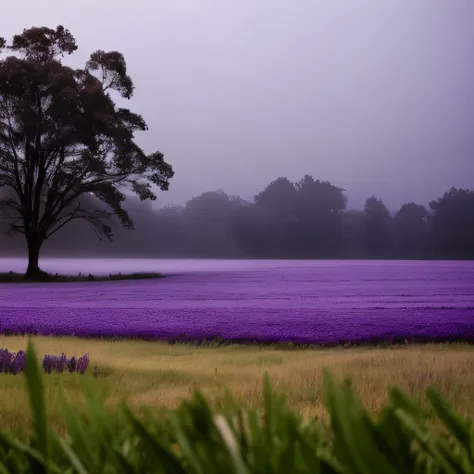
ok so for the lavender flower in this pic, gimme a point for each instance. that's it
(83, 363)
(18, 363)
(72, 364)
(5, 361)
(52, 363)
(320, 302)
(11, 363)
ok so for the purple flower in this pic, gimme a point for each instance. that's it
(311, 302)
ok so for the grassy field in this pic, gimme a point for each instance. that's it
(160, 374)
(12, 277)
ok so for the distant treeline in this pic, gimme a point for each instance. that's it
(306, 219)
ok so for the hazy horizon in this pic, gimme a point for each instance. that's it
(374, 96)
(181, 266)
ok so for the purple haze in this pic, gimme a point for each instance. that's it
(299, 301)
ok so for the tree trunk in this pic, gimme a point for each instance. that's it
(33, 271)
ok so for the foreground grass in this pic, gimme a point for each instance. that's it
(12, 277)
(161, 375)
(196, 438)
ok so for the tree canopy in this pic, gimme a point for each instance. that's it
(63, 137)
(453, 223)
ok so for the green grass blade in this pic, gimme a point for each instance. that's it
(185, 445)
(123, 464)
(76, 429)
(35, 457)
(166, 460)
(231, 444)
(35, 386)
(401, 400)
(356, 434)
(458, 428)
(429, 444)
(3, 469)
(340, 413)
(72, 457)
(268, 401)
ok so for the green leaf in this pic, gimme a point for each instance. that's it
(401, 400)
(268, 401)
(458, 428)
(427, 442)
(34, 383)
(339, 411)
(356, 434)
(73, 459)
(231, 444)
(35, 457)
(123, 464)
(164, 458)
(3, 469)
(185, 445)
(82, 441)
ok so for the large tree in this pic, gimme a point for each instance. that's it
(62, 136)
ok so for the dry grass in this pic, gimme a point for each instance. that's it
(159, 374)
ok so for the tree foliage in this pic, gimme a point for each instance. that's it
(411, 229)
(62, 137)
(319, 211)
(377, 231)
(453, 223)
(215, 224)
(207, 222)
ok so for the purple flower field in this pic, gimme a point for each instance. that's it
(300, 301)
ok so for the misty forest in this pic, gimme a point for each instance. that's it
(306, 219)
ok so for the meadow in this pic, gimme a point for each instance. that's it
(271, 303)
(160, 375)
(311, 302)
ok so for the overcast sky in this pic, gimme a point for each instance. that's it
(376, 96)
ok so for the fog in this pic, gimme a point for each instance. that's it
(168, 267)
(305, 219)
(374, 96)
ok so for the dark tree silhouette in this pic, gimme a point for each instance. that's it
(170, 236)
(377, 228)
(249, 230)
(62, 137)
(411, 231)
(453, 224)
(353, 225)
(302, 220)
(319, 206)
(207, 219)
(276, 206)
(280, 194)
